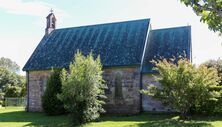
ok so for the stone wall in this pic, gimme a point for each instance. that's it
(36, 85)
(124, 99)
(123, 95)
(148, 103)
(126, 81)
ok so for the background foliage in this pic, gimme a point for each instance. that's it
(11, 83)
(9, 64)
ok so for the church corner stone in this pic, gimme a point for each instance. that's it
(36, 85)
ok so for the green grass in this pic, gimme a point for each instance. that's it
(17, 117)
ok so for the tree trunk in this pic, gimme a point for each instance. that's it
(183, 115)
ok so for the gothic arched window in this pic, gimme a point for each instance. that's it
(118, 86)
(43, 83)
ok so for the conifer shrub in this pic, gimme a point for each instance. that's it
(50, 102)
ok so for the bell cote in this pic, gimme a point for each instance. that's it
(50, 23)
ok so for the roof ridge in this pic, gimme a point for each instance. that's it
(176, 27)
(109, 23)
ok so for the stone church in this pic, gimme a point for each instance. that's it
(126, 49)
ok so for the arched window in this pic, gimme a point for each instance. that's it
(118, 86)
(43, 83)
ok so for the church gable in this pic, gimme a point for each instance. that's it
(118, 44)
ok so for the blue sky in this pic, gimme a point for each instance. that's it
(22, 22)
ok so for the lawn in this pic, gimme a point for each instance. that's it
(17, 117)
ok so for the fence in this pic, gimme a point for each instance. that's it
(15, 102)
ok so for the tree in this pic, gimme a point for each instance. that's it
(6, 77)
(50, 102)
(1, 98)
(22, 84)
(15, 87)
(212, 107)
(9, 64)
(12, 91)
(83, 88)
(217, 64)
(183, 85)
(11, 84)
(209, 10)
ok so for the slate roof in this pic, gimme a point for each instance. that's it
(119, 44)
(167, 43)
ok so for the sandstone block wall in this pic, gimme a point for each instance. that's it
(36, 85)
(129, 100)
(128, 103)
(149, 103)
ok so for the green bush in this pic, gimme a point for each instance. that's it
(50, 103)
(211, 106)
(83, 89)
(217, 64)
(184, 85)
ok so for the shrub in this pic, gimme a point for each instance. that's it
(183, 85)
(211, 106)
(50, 103)
(83, 89)
(217, 64)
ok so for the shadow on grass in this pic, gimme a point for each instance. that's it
(163, 120)
(174, 123)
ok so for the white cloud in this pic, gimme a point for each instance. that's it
(33, 8)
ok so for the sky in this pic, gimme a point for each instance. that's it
(23, 22)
